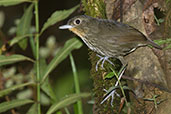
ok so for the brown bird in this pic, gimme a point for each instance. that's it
(107, 37)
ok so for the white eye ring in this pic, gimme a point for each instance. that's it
(77, 21)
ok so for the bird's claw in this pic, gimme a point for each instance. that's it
(112, 94)
(103, 59)
(98, 62)
(112, 90)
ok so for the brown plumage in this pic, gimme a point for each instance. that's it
(106, 37)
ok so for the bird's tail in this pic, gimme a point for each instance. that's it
(154, 44)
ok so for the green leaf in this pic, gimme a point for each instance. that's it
(109, 75)
(13, 88)
(66, 101)
(161, 20)
(166, 41)
(167, 1)
(168, 47)
(18, 38)
(13, 104)
(12, 2)
(46, 86)
(58, 16)
(70, 45)
(111, 89)
(129, 89)
(33, 109)
(5, 60)
(161, 41)
(78, 107)
(23, 27)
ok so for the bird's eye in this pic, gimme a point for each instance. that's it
(77, 21)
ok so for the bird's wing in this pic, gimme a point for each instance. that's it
(120, 32)
(122, 36)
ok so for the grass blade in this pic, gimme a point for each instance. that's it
(12, 104)
(70, 45)
(66, 101)
(76, 83)
(46, 86)
(13, 88)
(12, 2)
(18, 38)
(33, 109)
(5, 60)
(24, 26)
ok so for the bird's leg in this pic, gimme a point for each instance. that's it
(124, 63)
(98, 62)
(113, 91)
(103, 59)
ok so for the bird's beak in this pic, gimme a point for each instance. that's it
(65, 27)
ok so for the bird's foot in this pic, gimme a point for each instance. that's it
(111, 94)
(112, 91)
(103, 59)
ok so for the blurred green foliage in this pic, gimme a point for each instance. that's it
(22, 79)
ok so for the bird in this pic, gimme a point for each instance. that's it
(108, 38)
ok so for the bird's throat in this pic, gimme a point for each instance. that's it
(77, 32)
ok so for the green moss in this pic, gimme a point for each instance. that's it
(94, 8)
(100, 84)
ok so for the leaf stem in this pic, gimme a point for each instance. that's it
(37, 57)
(76, 82)
(120, 85)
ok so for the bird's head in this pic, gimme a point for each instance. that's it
(80, 25)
